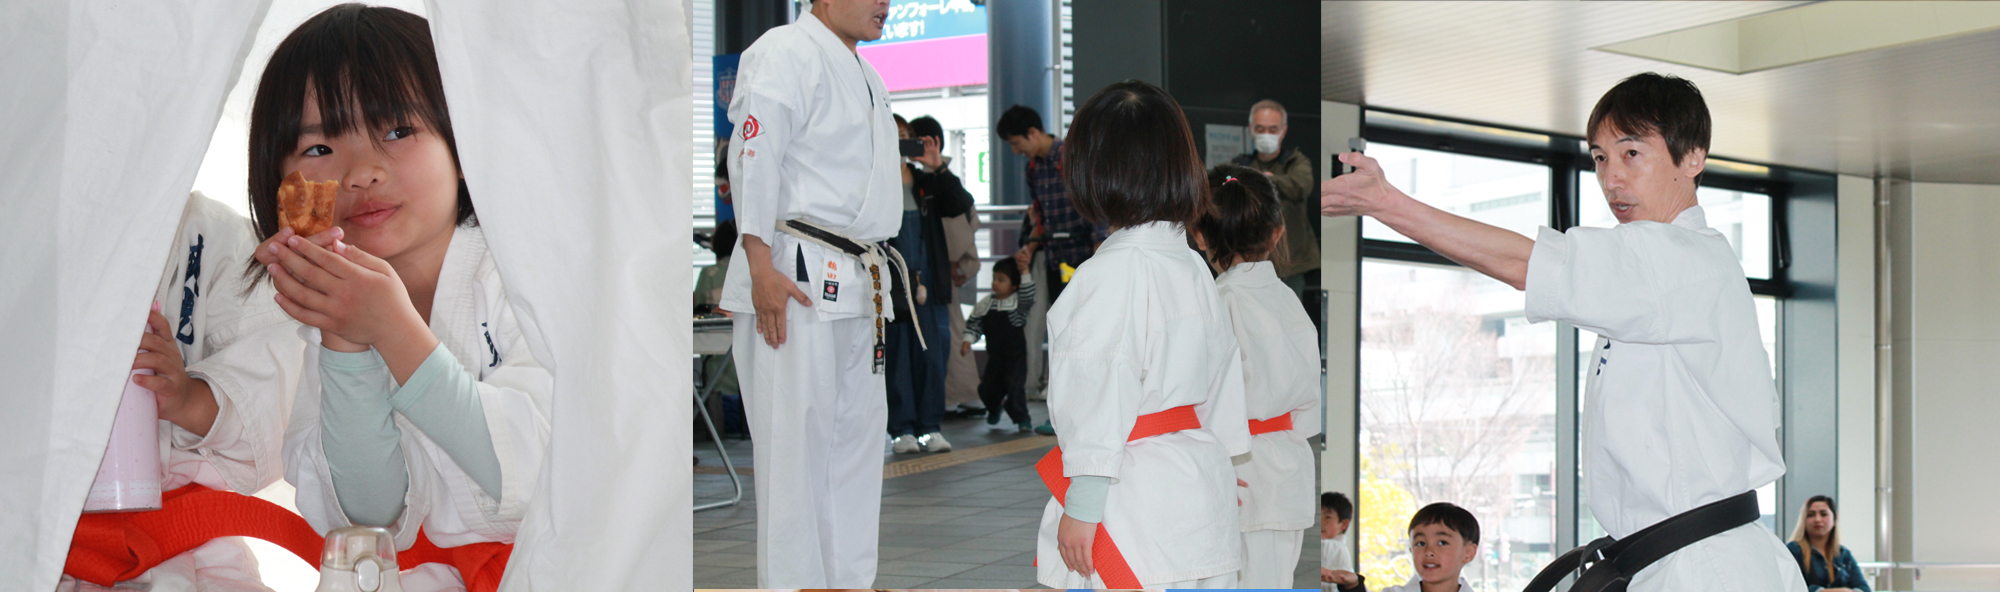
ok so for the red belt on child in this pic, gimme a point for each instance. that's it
(1104, 555)
(479, 564)
(115, 547)
(1275, 424)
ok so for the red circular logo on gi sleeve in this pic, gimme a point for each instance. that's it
(750, 127)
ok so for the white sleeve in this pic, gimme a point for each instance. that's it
(250, 354)
(1094, 380)
(1631, 283)
(253, 381)
(1225, 412)
(517, 395)
(771, 92)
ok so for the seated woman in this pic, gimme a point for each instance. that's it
(1818, 532)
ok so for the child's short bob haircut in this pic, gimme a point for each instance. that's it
(1336, 501)
(1452, 517)
(366, 68)
(1130, 159)
(1006, 267)
(1242, 215)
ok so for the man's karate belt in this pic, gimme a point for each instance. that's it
(1104, 555)
(1607, 565)
(115, 547)
(874, 255)
(1275, 424)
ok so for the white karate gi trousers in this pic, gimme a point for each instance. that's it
(1270, 557)
(816, 412)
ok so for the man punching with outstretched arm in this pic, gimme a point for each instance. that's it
(1680, 422)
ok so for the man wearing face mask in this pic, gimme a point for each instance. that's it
(1297, 260)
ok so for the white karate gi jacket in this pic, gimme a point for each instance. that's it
(247, 350)
(815, 140)
(1680, 408)
(1280, 349)
(1417, 585)
(1140, 330)
(472, 318)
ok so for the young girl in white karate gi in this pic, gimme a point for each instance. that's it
(1145, 385)
(421, 408)
(1280, 371)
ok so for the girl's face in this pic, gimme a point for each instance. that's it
(396, 198)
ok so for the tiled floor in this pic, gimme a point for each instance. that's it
(968, 525)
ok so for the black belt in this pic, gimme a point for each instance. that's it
(1607, 565)
(870, 255)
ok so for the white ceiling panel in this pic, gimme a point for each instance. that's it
(1928, 111)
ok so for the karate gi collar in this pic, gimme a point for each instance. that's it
(1255, 273)
(1151, 235)
(823, 36)
(1692, 218)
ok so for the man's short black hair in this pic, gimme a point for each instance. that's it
(926, 127)
(1007, 267)
(1651, 103)
(1130, 159)
(1337, 501)
(1452, 517)
(1016, 120)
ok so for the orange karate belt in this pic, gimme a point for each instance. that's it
(479, 564)
(1275, 424)
(115, 547)
(1104, 555)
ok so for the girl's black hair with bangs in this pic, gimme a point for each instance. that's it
(366, 68)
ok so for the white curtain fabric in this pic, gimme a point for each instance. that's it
(567, 115)
(572, 122)
(107, 109)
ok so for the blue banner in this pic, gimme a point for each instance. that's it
(725, 87)
(917, 20)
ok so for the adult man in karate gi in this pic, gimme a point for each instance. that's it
(815, 176)
(1681, 411)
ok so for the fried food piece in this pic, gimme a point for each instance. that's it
(304, 206)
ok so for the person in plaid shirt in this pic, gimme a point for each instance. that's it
(1052, 223)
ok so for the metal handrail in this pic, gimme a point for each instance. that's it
(1924, 564)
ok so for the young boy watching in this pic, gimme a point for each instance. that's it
(1443, 538)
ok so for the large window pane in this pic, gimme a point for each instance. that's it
(1458, 405)
(1508, 194)
(1742, 217)
(1586, 343)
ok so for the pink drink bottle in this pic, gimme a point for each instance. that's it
(128, 479)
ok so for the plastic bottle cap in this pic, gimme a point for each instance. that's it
(367, 576)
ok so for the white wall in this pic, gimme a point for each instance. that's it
(1340, 277)
(1855, 434)
(1947, 343)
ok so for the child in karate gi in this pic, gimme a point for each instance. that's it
(1000, 316)
(421, 408)
(1443, 538)
(1280, 352)
(1335, 562)
(226, 362)
(1145, 383)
